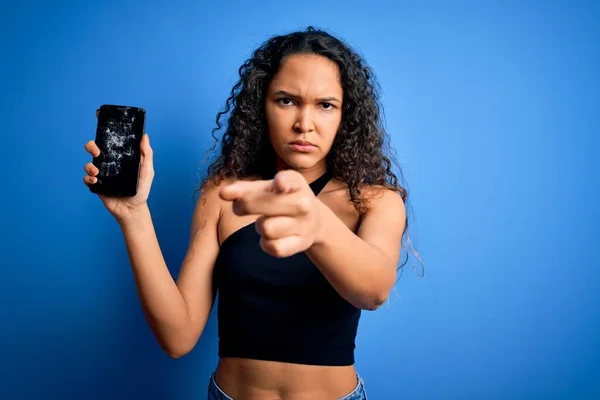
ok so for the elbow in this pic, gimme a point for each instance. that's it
(177, 342)
(176, 352)
(374, 303)
(376, 295)
(175, 355)
(371, 301)
(177, 347)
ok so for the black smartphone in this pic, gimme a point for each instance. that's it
(118, 136)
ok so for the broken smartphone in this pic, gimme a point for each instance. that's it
(118, 136)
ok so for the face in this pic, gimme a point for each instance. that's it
(303, 107)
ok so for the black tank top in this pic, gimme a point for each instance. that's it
(280, 309)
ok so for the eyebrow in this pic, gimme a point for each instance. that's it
(293, 96)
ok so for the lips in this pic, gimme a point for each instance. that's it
(302, 143)
(302, 146)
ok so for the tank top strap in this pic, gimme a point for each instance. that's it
(320, 182)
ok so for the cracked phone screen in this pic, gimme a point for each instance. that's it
(118, 136)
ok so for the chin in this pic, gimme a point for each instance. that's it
(300, 161)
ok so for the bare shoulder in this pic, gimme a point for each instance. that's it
(375, 196)
(383, 223)
(209, 205)
(385, 220)
(379, 196)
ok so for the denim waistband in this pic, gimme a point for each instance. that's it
(216, 393)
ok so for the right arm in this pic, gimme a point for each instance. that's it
(176, 311)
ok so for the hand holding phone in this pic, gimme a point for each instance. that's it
(121, 171)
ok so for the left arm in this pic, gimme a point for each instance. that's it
(362, 267)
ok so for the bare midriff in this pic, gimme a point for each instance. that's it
(243, 379)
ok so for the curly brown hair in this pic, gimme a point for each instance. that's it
(360, 155)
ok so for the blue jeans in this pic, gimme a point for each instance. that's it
(215, 392)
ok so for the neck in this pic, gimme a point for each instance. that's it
(311, 174)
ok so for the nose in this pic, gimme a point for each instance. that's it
(304, 120)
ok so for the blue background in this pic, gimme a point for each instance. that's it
(494, 112)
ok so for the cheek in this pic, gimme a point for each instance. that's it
(329, 127)
(278, 122)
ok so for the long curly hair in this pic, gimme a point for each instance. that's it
(360, 154)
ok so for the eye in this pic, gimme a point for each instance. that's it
(284, 101)
(327, 106)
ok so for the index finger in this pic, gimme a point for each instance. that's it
(244, 188)
(272, 204)
(92, 148)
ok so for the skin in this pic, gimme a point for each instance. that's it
(304, 102)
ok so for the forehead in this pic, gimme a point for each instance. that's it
(308, 74)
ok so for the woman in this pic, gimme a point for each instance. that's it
(299, 227)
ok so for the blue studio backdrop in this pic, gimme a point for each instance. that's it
(492, 107)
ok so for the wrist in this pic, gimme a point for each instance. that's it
(135, 218)
(323, 224)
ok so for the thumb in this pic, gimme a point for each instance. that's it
(145, 144)
(147, 163)
(287, 182)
